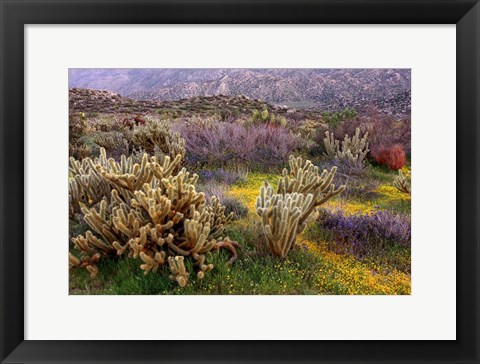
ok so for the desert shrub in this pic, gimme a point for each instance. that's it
(308, 134)
(233, 204)
(232, 145)
(78, 126)
(79, 151)
(114, 142)
(229, 114)
(168, 114)
(131, 122)
(391, 156)
(333, 119)
(221, 176)
(361, 234)
(362, 188)
(220, 191)
(382, 129)
(107, 123)
(311, 129)
(202, 121)
(213, 190)
(280, 120)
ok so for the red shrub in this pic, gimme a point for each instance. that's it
(127, 123)
(139, 120)
(392, 156)
(130, 123)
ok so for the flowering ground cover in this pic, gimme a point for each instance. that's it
(317, 266)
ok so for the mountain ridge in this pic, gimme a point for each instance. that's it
(326, 89)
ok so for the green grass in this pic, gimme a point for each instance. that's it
(259, 275)
(312, 268)
(303, 272)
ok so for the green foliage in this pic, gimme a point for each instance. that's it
(131, 213)
(258, 272)
(263, 275)
(333, 119)
(259, 117)
(300, 273)
(264, 117)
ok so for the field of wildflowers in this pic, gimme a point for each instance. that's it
(250, 204)
(356, 247)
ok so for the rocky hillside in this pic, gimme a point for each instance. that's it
(101, 101)
(320, 89)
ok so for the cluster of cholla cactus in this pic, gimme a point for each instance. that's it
(113, 141)
(351, 152)
(144, 210)
(401, 183)
(286, 213)
(155, 137)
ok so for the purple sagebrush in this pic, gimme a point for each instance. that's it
(220, 176)
(234, 144)
(359, 233)
(231, 204)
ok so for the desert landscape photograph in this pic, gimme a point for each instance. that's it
(239, 181)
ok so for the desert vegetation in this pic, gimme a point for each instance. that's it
(233, 195)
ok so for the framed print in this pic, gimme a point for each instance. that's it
(239, 181)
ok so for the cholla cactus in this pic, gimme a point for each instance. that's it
(152, 263)
(86, 185)
(155, 137)
(93, 180)
(281, 218)
(401, 183)
(264, 117)
(148, 212)
(179, 273)
(259, 117)
(285, 214)
(351, 152)
(306, 178)
(112, 141)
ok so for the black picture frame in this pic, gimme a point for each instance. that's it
(17, 13)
